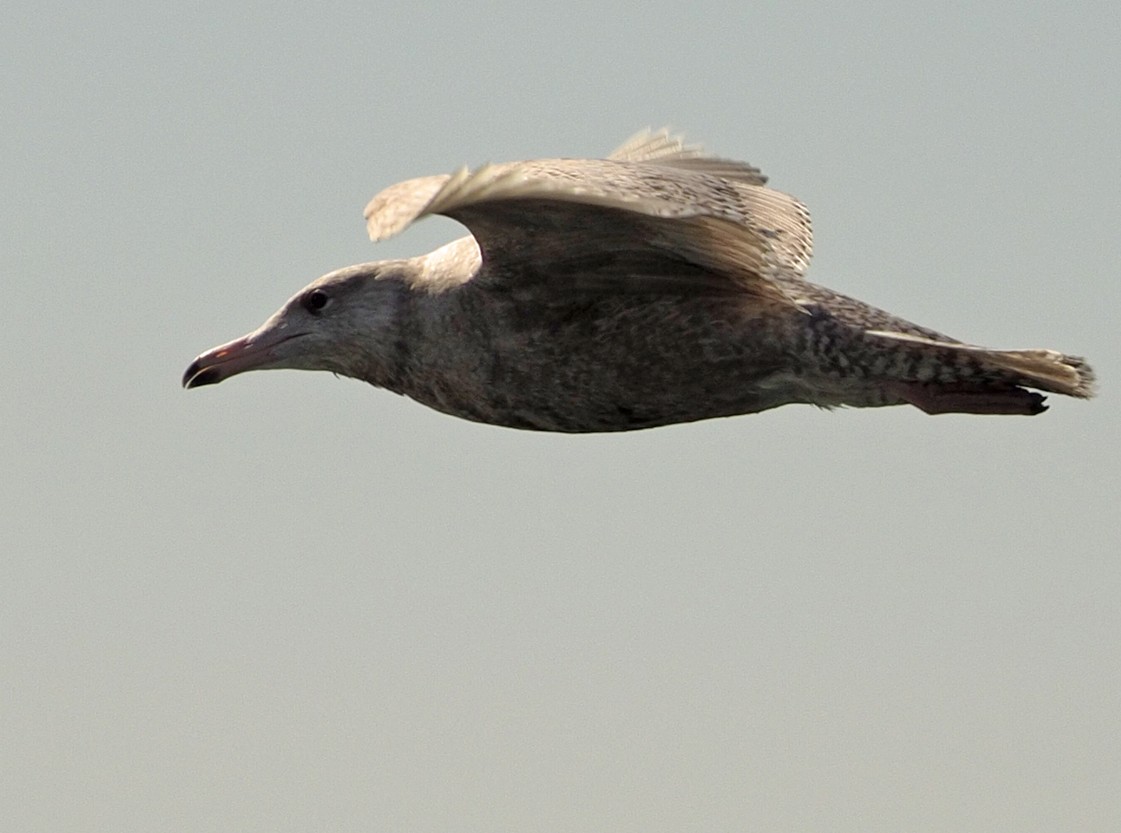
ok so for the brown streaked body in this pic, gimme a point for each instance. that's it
(654, 287)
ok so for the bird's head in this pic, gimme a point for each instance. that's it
(344, 322)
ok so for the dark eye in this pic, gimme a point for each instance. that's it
(316, 300)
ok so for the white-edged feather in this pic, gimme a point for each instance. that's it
(726, 221)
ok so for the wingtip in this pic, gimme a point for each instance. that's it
(395, 208)
(650, 143)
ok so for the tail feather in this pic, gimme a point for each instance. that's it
(1048, 370)
(965, 370)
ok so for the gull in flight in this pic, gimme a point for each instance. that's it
(659, 285)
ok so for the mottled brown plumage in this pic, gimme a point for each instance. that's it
(657, 286)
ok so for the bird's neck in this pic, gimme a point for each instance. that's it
(377, 349)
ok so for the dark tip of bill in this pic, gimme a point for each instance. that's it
(194, 378)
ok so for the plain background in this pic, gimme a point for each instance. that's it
(292, 603)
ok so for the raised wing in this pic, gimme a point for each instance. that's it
(652, 223)
(660, 147)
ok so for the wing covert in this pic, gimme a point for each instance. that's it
(656, 199)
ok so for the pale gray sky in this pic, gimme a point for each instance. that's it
(294, 603)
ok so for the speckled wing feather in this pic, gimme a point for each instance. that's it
(660, 147)
(631, 219)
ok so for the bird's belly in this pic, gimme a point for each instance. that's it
(644, 368)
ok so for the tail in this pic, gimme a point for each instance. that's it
(1047, 370)
(976, 380)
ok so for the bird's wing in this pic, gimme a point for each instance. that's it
(614, 221)
(660, 147)
(647, 145)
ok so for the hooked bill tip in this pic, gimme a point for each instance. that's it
(196, 377)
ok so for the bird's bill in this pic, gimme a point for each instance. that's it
(256, 351)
